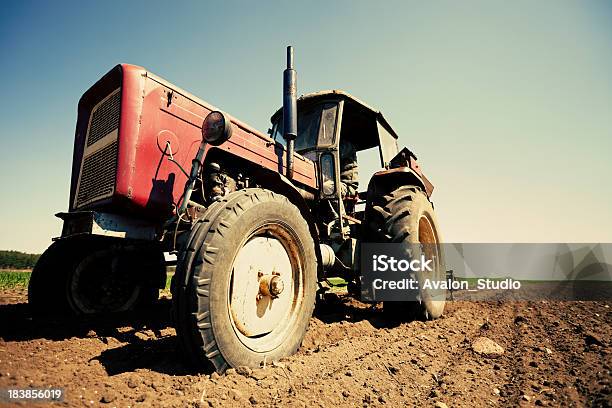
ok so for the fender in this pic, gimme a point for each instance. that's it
(388, 180)
(404, 170)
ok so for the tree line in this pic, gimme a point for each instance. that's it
(17, 260)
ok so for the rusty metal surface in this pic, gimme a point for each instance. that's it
(154, 113)
(184, 115)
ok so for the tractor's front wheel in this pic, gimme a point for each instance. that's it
(246, 282)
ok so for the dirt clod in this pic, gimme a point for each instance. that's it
(132, 382)
(592, 339)
(259, 374)
(487, 347)
(108, 397)
(243, 370)
(520, 319)
(212, 402)
(235, 394)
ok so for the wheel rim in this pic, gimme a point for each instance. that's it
(430, 247)
(269, 258)
(100, 284)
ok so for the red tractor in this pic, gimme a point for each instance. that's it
(257, 222)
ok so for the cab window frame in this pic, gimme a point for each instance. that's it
(322, 142)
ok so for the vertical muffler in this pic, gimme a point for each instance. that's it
(290, 109)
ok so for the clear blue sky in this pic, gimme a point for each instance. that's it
(507, 104)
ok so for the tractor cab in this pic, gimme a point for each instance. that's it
(332, 127)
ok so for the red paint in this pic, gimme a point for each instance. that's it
(146, 180)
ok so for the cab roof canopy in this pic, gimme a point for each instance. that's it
(359, 121)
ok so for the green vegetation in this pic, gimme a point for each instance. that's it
(12, 279)
(336, 281)
(337, 285)
(17, 260)
(168, 280)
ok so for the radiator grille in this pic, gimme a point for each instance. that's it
(105, 118)
(99, 166)
(98, 175)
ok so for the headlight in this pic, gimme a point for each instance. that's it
(216, 128)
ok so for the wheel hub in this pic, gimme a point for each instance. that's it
(99, 284)
(261, 292)
(271, 285)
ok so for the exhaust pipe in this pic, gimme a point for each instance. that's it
(290, 109)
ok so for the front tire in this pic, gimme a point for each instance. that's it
(246, 282)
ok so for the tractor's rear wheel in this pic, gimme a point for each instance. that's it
(83, 276)
(46, 289)
(114, 279)
(406, 216)
(246, 282)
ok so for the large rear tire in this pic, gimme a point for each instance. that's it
(406, 216)
(94, 276)
(115, 278)
(246, 282)
(46, 287)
